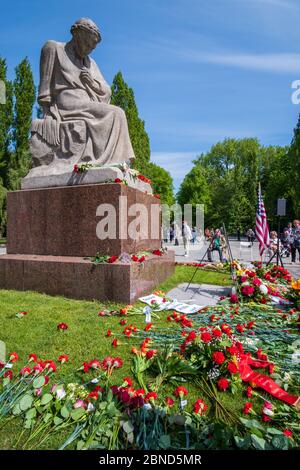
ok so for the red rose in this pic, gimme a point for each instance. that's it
(247, 290)
(206, 337)
(257, 282)
(62, 326)
(240, 328)
(234, 299)
(218, 357)
(223, 384)
(118, 180)
(232, 368)
(141, 259)
(76, 169)
(249, 392)
(93, 395)
(134, 258)
(123, 321)
(8, 374)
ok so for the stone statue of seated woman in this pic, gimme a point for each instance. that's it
(79, 125)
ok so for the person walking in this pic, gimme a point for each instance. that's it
(186, 235)
(218, 244)
(296, 240)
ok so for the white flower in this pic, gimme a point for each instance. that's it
(90, 407)
(263, 289)
(268, 412)
(60, 393)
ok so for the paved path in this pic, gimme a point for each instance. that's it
(200, 294)
(245, 255)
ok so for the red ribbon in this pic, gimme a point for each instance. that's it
(263, 381)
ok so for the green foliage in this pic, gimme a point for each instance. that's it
(225, 180)
(162, 182)
(292, 171)
(24, 100)
(123, 96)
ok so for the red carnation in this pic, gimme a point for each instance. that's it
(13, 357)
(118, 180)
(128, 382)
(25, 371)
(234, 299)
(200, 407)
(123, 321)
(135, 258)
(249, 392)
(223, 384)
(8, 374)
(76, 169)
(206, 337)
(108, 333)
(151, 396)
(32, 357)
(62, 326)
(218, 357)
(117, 363)
(169, 401)
(114, 343)
(63, 358)
(112, 259)
(288, 433)
(151, 353)
(93, 395)
(180, 392)
(217, 333)
(232, 368)
(247, 408)
(95, 364)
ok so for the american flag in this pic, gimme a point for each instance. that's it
(262, 229)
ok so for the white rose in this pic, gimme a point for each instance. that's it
(263, 289)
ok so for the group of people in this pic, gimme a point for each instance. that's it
(175, 233)
(289, 243)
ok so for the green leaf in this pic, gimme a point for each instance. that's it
(258, 442)
(39, 382)
(65, 412)
(26, 402)
(16, 410)
(165, 441)
(280, 442)
(80, 445)
(31, 413)
(77, 413)
(27, 424)
(128, 427)
(57, 420)
(46, 399)
(274, 431)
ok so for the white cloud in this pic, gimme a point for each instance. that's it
(177, 163)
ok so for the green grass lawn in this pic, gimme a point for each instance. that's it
(85, 338)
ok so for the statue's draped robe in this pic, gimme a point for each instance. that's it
(107, 137)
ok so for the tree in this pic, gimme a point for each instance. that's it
(123, 96)
(6, 123)
(24, 90)
(294, 173)
(162, 182)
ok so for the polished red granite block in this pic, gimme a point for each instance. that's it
(63, 221)
(78, 278)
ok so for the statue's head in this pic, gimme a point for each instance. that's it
(86, 36)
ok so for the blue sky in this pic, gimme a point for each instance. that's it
(201, 70)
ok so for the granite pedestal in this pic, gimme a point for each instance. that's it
(53, 231)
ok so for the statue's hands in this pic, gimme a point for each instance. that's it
(87, 78)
